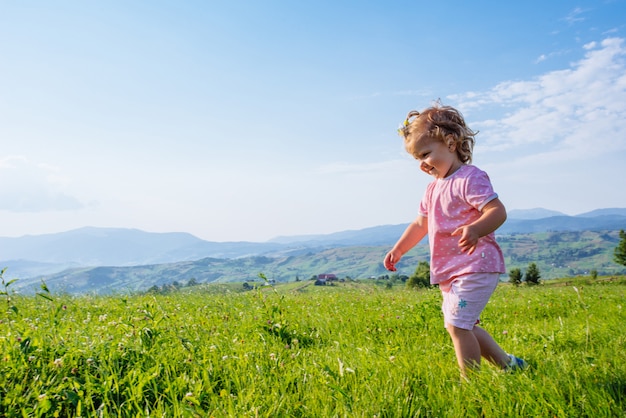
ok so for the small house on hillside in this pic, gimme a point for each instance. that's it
(323, 279)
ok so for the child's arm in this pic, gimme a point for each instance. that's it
(492, 216)
(409, 239)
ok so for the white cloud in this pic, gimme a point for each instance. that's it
(556, 140)
(568, 114)
(575, 16)
(551, 55)
(29, 187)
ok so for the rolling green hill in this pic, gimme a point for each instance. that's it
(557, 254)
(563, 254)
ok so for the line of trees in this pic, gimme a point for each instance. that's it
(532, 276)
(171, 287)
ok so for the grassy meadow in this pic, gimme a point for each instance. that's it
(297, 350)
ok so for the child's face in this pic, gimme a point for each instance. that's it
(436, 158)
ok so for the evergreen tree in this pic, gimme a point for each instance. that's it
(515, 276)
(619, 254)
(532, 274)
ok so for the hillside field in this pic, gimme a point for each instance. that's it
(557, 254)
(356, 349)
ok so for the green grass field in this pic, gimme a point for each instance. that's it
(297, 350)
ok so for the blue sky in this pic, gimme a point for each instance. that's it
(247, 120)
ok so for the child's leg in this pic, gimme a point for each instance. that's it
(466, 346)
(470, 345)
(464, 298)
(490, 349)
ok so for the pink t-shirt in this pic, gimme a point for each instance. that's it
(452, 202)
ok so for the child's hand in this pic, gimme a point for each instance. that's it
(390, 260)
(469, 238)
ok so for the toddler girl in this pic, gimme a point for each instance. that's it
(459, 212)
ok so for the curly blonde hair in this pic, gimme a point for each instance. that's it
(439, 122)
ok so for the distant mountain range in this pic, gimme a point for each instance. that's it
(541, 213)
(33, 257)
(536, 213)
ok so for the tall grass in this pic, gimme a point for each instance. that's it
(353, 350)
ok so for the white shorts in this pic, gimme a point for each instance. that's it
(465, 297)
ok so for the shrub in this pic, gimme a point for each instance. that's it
(421, 277)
